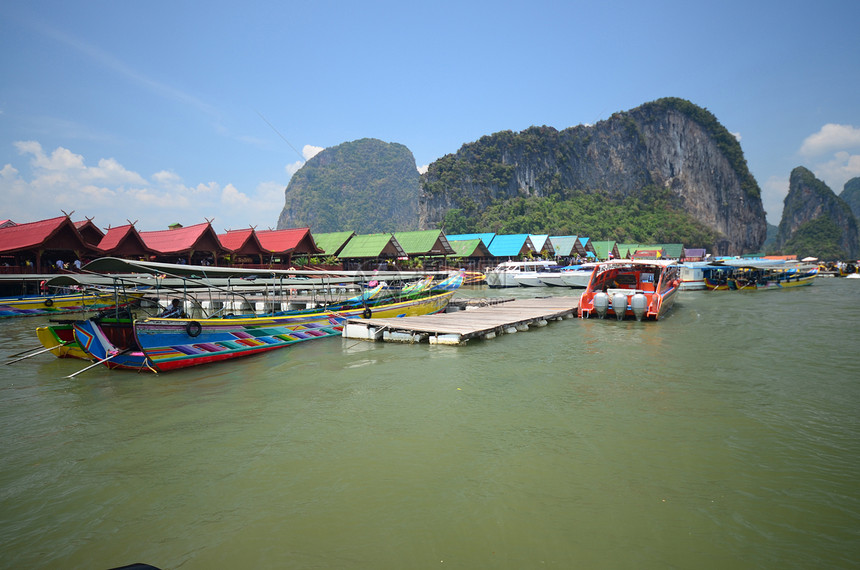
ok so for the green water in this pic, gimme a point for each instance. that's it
(726, 436)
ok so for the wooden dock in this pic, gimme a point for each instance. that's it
(459, 327)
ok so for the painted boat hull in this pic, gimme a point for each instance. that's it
(162, 345)
(61, 340)
(35, 306)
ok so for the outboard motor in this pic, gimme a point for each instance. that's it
(639, 304)
(600, 301)
(619, 305)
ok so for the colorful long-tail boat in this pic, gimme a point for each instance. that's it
(160, 344)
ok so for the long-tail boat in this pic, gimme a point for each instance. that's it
(760, 275)
(65, 303)
(162, 344)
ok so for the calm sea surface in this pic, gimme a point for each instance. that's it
(726, 436)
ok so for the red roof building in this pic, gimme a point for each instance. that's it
(291, 242)
(124, 241)
(243, 243)
(194, 244)
(90, 232)
(44, 242)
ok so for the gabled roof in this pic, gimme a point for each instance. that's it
(6, 223)
(58, 234)
(89, 231)
(427, 242)
(469, 248)
(602, 249)
(542, 244)
(331, 243)
(296, 240)
(372, 246)
(199, 237)
(243, 242)
(566, 246)
(672, 250)
(586, 243)
(123, 241)
(487, 238)
(511, 245)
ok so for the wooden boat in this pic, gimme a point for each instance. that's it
(760, 275)
(212, 333)
(86, 300)
(640, 289)
(450, 283)
(159, 345)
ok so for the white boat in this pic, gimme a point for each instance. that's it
(505, 274)
(578, 278)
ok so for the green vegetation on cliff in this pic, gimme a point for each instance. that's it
(816, 238)
(650, 216)
(366, 186)
(851, 195)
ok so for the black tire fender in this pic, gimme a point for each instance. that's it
(367, 313)
(193, 328)
(49, 302)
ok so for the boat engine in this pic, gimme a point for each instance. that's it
(639, 304)
(600, 301)
(619, 305)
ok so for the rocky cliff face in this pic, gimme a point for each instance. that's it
(810, 199)
(669, 143)
(366, 186)
(851, 194)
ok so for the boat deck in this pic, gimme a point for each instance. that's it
(458, 327)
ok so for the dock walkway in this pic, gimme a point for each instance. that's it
(459, 327)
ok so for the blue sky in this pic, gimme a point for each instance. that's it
(162, 112)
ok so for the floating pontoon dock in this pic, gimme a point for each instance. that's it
(461, 326)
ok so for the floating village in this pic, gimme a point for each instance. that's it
(156, 301)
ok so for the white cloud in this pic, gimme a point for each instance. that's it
(832, 154)
(308, 151)
(423, 169)
(838, 170)
(111, 194)
(737, 136)
(831, 138)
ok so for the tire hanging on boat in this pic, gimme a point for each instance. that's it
(193, 328)
(367, 313)
(49, 302)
